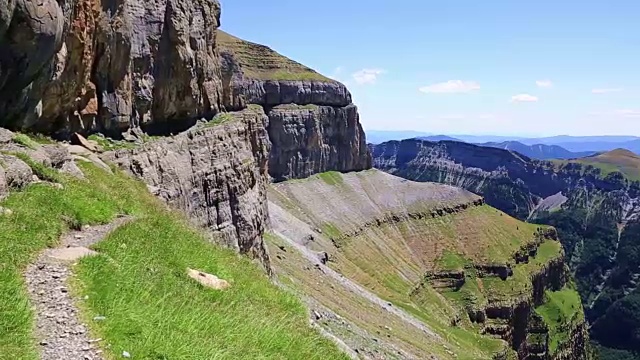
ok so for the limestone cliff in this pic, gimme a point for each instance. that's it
(216, 174)
(107, 65)
(116, 67)
(313, 125)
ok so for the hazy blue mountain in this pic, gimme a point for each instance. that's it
(579, 144)
(539, 151)
(380, 136)
(438, 138)
(477, 139)
(564, 139)
(633, 145)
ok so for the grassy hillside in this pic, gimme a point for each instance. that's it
(371, 226)
(262, 63)
(621, 160)
(139, 281)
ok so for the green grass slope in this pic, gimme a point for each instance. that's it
(619, 160)
(262, 63)
(139, 280)
(370, 225)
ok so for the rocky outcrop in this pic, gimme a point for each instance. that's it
(216, 174)
(577, 345)
(107, 66)
(448, 279)
(255, 74)
(18, 161)
(312, 139)
(103, 66)
(313, 125)
(512, 318)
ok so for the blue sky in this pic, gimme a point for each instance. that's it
(505, 67)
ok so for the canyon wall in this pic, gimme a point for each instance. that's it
(118, 67)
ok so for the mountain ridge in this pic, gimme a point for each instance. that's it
(571, 143)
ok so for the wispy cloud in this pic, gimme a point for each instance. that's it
(628, 113)
(367, 76)
(452, 117)
(524, 98)
(451, 87)
(606, 90)
(544, 83)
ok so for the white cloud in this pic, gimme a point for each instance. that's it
(452, 117)
(544, 83)
(367, 76)
(450, 87)
(628, 113)
(524, 98)
(486, 116)
(606, 90)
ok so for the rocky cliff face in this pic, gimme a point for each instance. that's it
(311, 139)
(216, 174)
(113, 67)
(313, 125)
(107, 65)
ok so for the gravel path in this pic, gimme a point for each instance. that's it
(60, 333)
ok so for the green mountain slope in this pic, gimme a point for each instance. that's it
(592, 202)
(471, 273)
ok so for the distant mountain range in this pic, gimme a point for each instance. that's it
(554, 147)
(539, 151)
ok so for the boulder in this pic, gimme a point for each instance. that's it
(208, 280)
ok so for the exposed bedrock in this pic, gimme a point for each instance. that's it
(311, 139)
(107, 65)
(216, 174)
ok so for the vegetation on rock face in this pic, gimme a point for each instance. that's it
(24, 140)
(561, 309)
(596, 224)
(139, 280)
(262, 63)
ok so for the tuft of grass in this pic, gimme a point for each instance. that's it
(220, 118)
(110, 144)
(40, 170)
(451, 261)
(331, 178)
(41, 139)
(296, 107)
(25, 140)
(561, 308)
